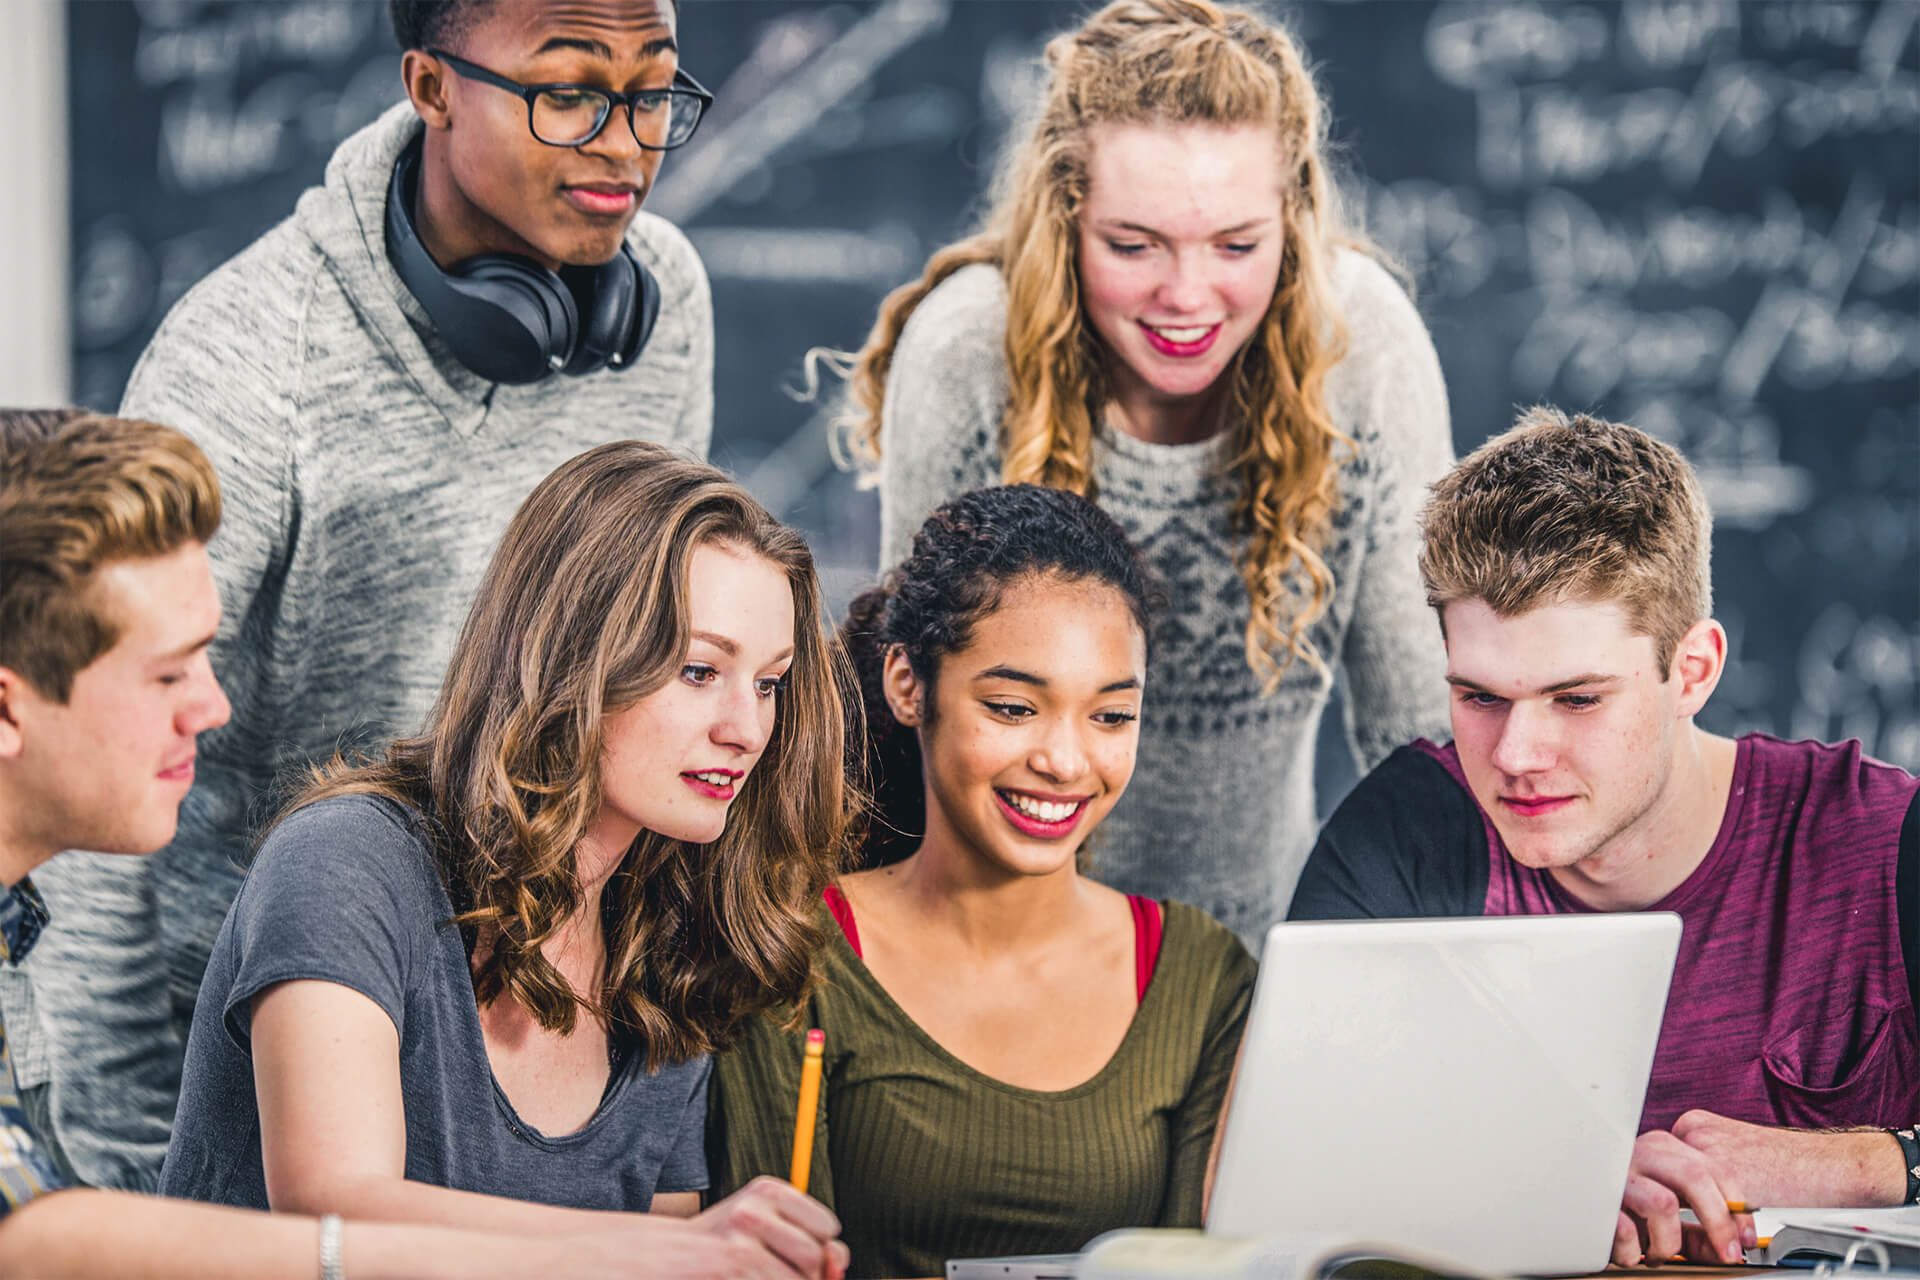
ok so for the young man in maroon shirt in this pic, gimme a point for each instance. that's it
(1568, 560)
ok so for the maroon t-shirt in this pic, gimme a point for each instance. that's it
(1792, 1000)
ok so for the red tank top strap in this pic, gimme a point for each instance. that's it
(842, 915)
(1146, 941)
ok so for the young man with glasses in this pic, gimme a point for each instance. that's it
(461, 306)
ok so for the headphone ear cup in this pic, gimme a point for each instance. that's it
(504, 317)
(548, 323)
(605, 297)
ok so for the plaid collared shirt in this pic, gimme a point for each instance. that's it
(25, 1170)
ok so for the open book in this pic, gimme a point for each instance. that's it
(1153, 1254)
(1831, 1232)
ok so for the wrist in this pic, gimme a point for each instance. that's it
(1899, 1182)
(332, 1249)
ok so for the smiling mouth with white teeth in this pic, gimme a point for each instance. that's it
(715, 784)
(1183, 334)
(1049, 811)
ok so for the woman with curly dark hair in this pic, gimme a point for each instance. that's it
(489, 968)
(1017, 1057)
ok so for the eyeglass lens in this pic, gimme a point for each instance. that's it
(571, 116)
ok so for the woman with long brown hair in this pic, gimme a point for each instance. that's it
(488, 968)
(1165, 310)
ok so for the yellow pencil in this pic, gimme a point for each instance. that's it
(809, 1104)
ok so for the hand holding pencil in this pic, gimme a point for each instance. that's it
(774, 1231)
(1681, 1202)
(797, 1230)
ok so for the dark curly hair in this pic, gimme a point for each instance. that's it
(965, 555)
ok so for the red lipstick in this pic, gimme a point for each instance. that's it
(1179, 350)
(710, 790)
(1039, 829)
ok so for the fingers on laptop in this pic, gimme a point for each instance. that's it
(1665, 1176)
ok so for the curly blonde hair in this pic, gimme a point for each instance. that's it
(1164, 62)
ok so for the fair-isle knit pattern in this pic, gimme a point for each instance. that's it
(1220, 812)
(367, 477)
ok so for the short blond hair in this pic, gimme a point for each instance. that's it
(1573, 508)
(79, 491)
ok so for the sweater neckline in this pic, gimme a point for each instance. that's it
(1146, 1011)
(1215, 450)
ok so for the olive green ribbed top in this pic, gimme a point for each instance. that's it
(926, 1159)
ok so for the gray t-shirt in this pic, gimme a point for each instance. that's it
(346, 891)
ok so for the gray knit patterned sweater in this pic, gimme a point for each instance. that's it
(367, 477)
(1220, 812)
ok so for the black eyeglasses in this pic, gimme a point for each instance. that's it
(572, 115)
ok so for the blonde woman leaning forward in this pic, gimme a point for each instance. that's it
(1166, 311)
(488, 969)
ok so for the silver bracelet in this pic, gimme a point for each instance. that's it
(332, 1265)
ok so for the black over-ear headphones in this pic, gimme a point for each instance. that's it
(508, 318)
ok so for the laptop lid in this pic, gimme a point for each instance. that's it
(1467, 1087)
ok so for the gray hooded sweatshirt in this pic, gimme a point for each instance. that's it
(366, 477)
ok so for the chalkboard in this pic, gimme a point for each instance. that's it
(1700, 216)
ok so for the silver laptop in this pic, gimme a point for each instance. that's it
(1471, 1088)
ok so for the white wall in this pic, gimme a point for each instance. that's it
(34, 359)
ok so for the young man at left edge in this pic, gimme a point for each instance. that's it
(375, 416)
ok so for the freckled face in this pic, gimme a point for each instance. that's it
(1565, 729)
(555, 204)
(1035, 725)
(674, 761)
(1179, 250)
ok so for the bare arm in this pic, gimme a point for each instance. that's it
(1708, 1160)
(109, 1235)
(676, 1204)
(317, 1044)
(333, 1138)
